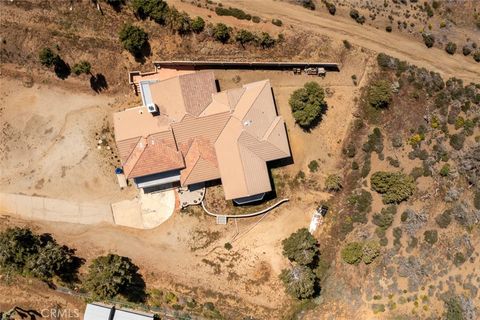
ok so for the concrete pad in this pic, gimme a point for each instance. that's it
(146, 211)
(128, 213)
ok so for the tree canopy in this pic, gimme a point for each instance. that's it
(221, 33)
(82, 67)
(395, 187)
(299, 281)
(111, 275)
(156, 10)
(308, 104)
(244, 36)
(41, 256)
(198, 24)
(300, 247)
(380, 94)
(134, 39)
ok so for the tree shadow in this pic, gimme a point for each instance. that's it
(98, 82)
(136, 291)
(145, 51)
(61, 68)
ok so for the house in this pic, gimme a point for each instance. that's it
(97, 311)
(187, 133)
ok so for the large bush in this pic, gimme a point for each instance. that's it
(451, 48)
(134, 39)
(299, 282)
(244, 36)
(308, 104)
(156, 10)
(384, 219)
(82, 67)
(380, 94)
(333, 183)
(428, 39)
(234, 12)
(47, 57)
(198, 24)
(395, 187)
(300, 247)
(111, 275)
(352, 253)
(221, 33)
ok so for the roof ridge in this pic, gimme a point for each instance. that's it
(130, 169)
(254, 100)
(260, 141)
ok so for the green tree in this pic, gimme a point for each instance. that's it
(17, 246)
(157, 10)
(47, 57)
(299, 282)
(308, 104)
(300, 247)
(134, 39)
(198, 24)
(221, 33)
(380, 94)
(82, 67)
(244, 36)
(352, 253)
(395, 187)
(266, 41)
(110, 275)
(179, 21)
(51, 260)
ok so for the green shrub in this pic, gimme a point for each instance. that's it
(457, 140)
(443, 220)
(374, 142)
(352, 253)
(256, 19)
(355, 165)
(380, 94)
(451, 48)
(384, 219)
(476, 56)
(431, 236)
(445, 170)
(198, 24)
(331, 8)
(179, 22)
(348, 45)
(350, 150)
(308, 4)
(234, 12)
(300, 247)
(266, 41)
(47, 57)
(156, 10)
(313, 166)
(355, 15)
(428, 39)
(395, 187)
(388, 28)
(221, 33)
(308, 104)
(367, 165)
(277, 22)
(333, 183)
(82, 67)
(299, 282)
(459, 259)
(466, 50)
(361, 201)
(416, 173)
(134, 39)
(371, 250)
(228, 246)
(453, 310)
(243, 37)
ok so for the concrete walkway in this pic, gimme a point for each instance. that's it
(47, 209)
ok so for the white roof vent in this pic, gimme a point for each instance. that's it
(247, 123)
(152, 108)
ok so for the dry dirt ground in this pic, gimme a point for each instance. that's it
(49, 145)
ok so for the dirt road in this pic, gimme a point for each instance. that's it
(342, 28)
